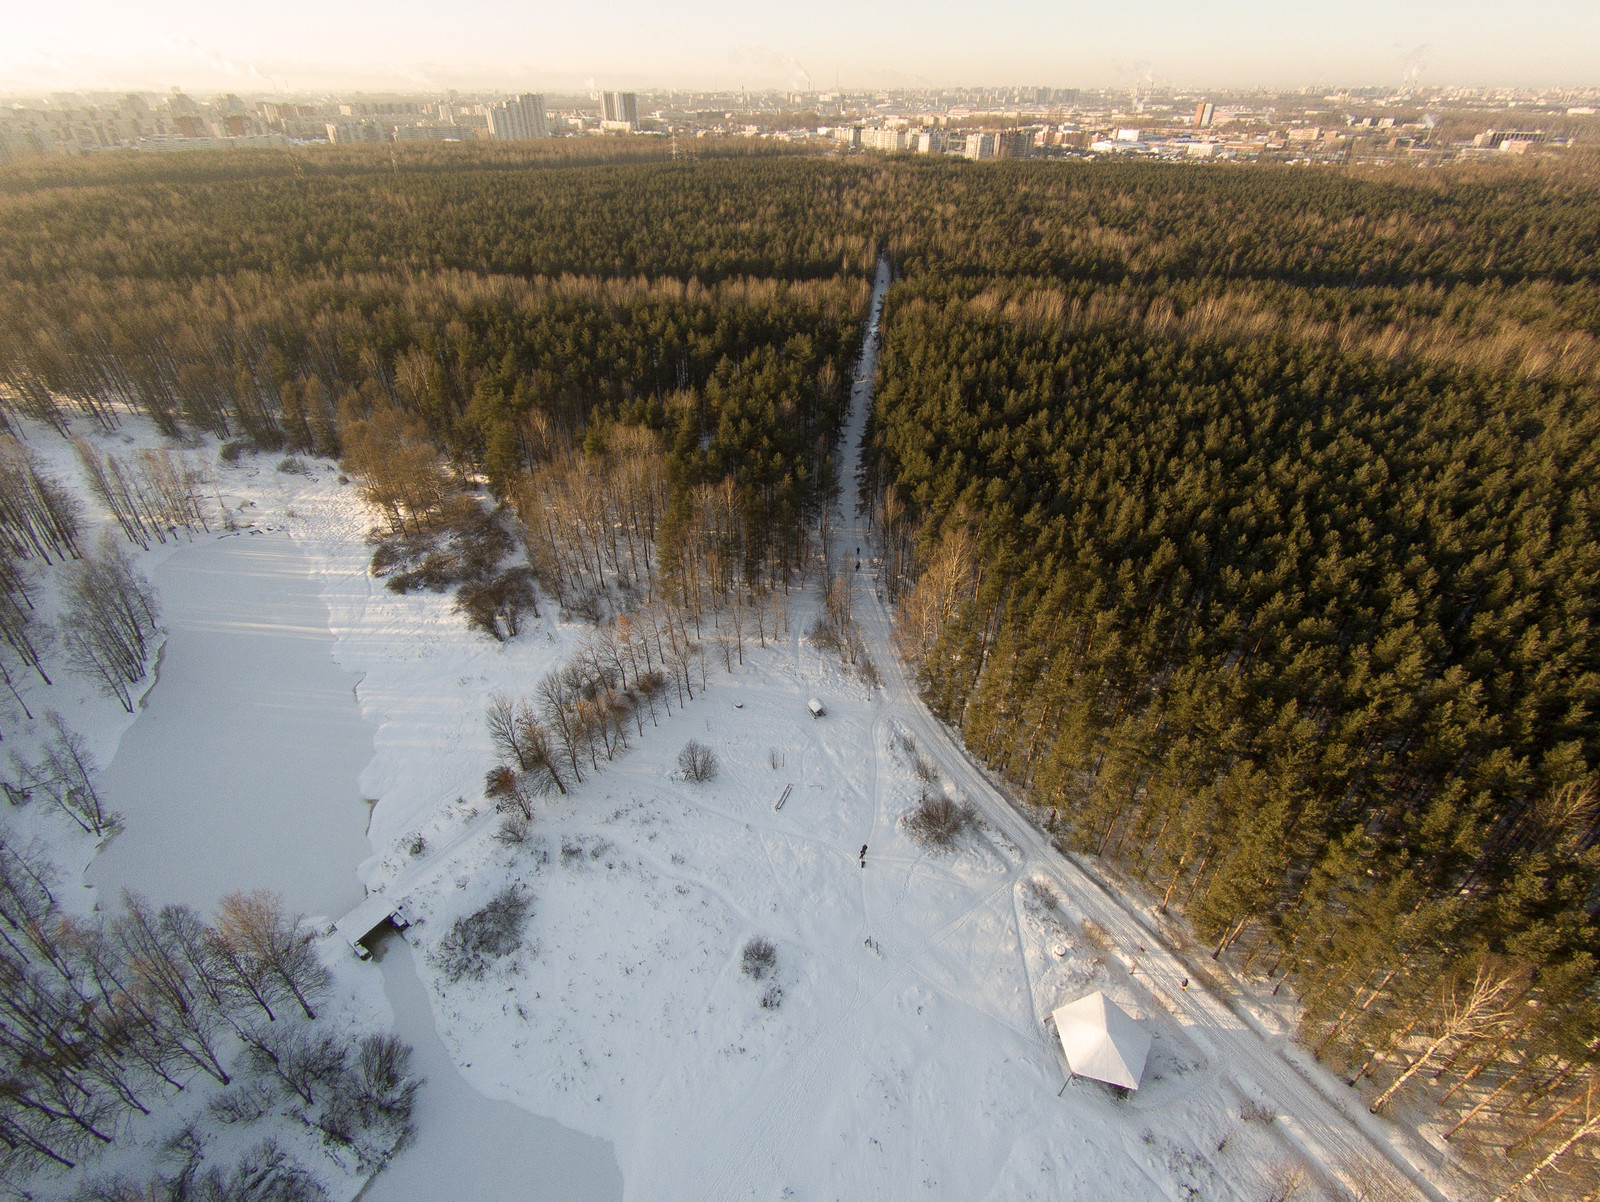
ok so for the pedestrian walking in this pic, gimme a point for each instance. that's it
(863, 855)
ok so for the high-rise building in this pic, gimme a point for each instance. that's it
(619, 110)
(346, 131)
(1013, 144)
(980, 145)
(519, 119)
(1203, 113)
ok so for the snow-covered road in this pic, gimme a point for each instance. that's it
(1317, 1113)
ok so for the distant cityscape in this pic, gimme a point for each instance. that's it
(1312, 125)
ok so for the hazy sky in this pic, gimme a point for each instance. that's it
(308, 45)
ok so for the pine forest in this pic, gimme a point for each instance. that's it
(1243, 521)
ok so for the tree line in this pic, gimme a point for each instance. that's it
(108, 623)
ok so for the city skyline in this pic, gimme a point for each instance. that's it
(297, 47)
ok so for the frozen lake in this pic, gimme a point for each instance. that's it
(241, 770)
(241, 773)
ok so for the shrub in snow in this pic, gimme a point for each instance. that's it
(1099, 938)
(477, 940)
(462, 546)
(416, 845)
(1253, 1111)
(380, 1079)
(266, 1173)
(760, 959)
(697, 761)
(868, 671)
(370, 1108)
(824, 635)
(513, 831)
(772, 998)
(937, 820)
(292, 466)
(495, 604)
(1041, 894)
(359, 1097)
(1289, 1179)
(244, 1103)
(229, 452)
(927, 771)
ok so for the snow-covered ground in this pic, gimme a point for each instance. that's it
(899, 1050)
(906, 1054)
(469, 1147)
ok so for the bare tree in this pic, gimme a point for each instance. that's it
(255, 925)
(697, 761)
(558, 703)
(390, 452)
(110, 621)
(1587, 1127)
(37, 514)
(1467, 1010)
(949, 579)
(504, 785)
(302, 1058)
(189, 1018)
(65, 774)
(506, 719)
(16, 624)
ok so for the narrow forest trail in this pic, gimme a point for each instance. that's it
(1320, 1116)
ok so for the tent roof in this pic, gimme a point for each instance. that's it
(1102, 1040)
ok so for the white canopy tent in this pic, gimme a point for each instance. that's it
(1102, 1040)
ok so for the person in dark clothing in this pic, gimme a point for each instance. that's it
(863, 855)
